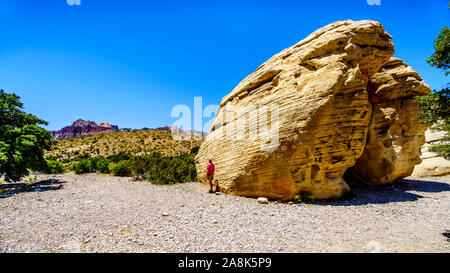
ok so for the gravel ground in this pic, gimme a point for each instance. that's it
(94, 213)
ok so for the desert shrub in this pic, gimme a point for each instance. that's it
(83, 166)
(142, 166)
(119, 157)
(441, 149)
(174, 169)
(51, 157)
(94, 162)
(102, 165)
(54, 167)
(435, 110)
(195, 149)
(120, 168)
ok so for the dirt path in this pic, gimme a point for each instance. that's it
(96, 213)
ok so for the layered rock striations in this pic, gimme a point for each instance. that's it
(84, 128)
(302, 119)
(395, 133)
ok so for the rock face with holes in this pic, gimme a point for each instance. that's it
(301, 121)
(395, 132)
(432, 164)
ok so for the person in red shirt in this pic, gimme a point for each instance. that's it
(210, 175)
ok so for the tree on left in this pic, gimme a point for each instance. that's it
(22, 141)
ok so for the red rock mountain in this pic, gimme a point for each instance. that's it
(84, 128)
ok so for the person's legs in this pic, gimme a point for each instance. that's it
(210, 183)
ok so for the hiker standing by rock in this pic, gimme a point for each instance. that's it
(210, 175)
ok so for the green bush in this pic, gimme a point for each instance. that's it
(54, 167)
(83, 166)
(102, 165)
(435, 110)
(119, 157)
(94, 162)
(171, 170)
(142, 166)
(441, 149)
(195, 150)
(120, 168)
(154, 166)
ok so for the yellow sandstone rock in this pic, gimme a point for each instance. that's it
(432, 164)
(395, 132)
(301, 120)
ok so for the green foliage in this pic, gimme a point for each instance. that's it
(152, 166)
(54, 167)
(441, 149)
(120, 168)
(174, 169)
(22, 141)
(119, 157)
(94, 162)
(83, 166)
(306, 196)
(32, 179)
(195, 150)
(435, 107)
(142, 166)
(102, 165)
(435, 110)
(441, 55)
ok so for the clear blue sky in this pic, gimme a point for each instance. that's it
(130, 62)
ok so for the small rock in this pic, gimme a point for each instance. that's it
(263, 200)
(165, 214)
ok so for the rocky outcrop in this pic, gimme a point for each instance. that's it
(432, 164)
(395, 132)
(302, 119)
(84, 128)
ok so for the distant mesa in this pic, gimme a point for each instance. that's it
(84, 128)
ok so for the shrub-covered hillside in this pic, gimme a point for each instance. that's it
(133, 142)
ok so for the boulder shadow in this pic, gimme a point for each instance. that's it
(405, 190)
(44, 185)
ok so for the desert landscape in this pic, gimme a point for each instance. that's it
(334, 144)
(94, 213)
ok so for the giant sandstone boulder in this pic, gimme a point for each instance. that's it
(336, 104)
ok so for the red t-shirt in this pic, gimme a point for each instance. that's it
(210, 169)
